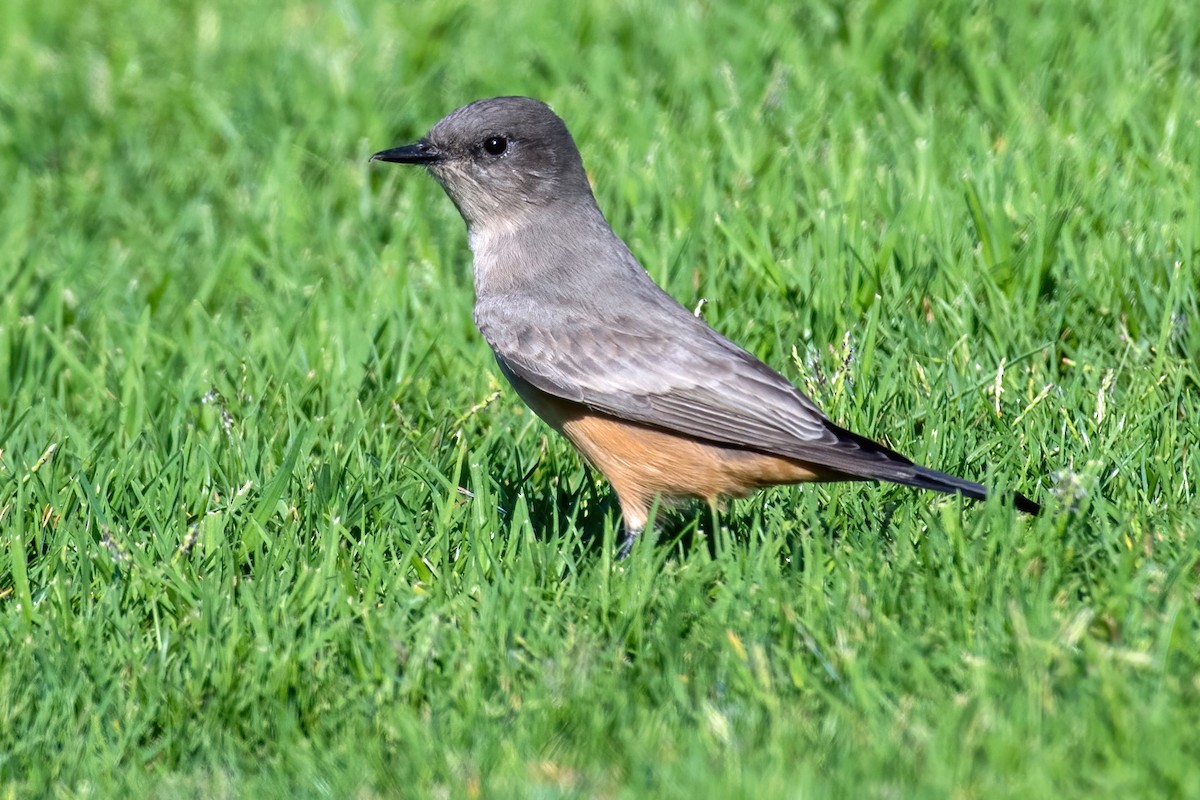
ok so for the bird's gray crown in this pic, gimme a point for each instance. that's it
(502, 159)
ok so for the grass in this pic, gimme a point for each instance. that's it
(271, 525)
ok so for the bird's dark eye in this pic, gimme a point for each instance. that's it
(495, 145)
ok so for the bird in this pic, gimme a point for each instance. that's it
(664, 406)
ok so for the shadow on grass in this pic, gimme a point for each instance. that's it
(590, 507)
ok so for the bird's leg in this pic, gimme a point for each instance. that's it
(631, 534)
(638, 515)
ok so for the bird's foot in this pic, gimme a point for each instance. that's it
(626, 547)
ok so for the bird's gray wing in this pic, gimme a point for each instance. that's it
(674, 373)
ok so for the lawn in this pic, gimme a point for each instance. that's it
(272, 524)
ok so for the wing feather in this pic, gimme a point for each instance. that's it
(685, 377)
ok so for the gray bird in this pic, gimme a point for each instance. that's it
(663, 405)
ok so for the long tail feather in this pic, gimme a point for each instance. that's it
(888, 465)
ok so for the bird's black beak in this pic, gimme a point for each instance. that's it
(420, 153)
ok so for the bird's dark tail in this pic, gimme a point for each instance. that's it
(884, 464)
(925, 478)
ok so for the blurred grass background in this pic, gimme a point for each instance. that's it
(271, 525)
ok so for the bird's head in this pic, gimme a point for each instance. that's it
(500, 160)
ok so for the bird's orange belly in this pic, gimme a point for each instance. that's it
(643, 462)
